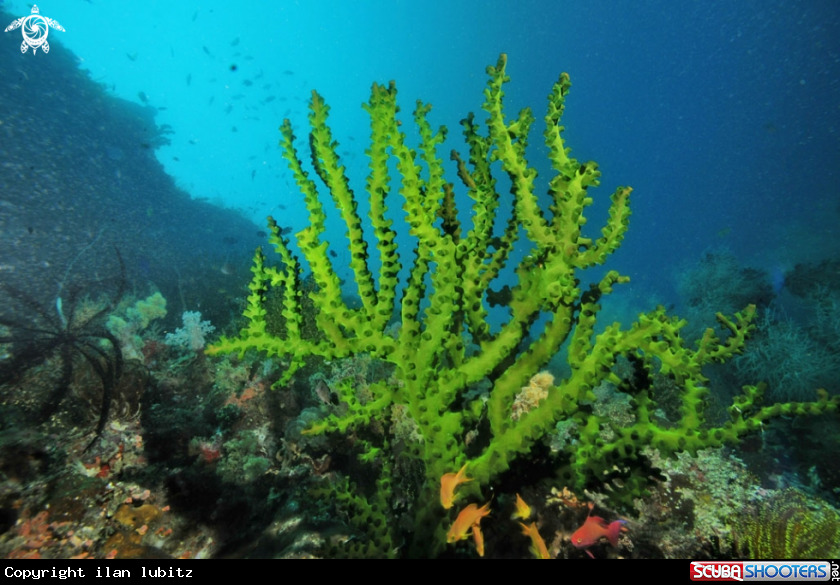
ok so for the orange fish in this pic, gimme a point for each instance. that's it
(469, 518)
(538, 548)
(593, 529)
(448, 483)
(479, 540)
(523, 510)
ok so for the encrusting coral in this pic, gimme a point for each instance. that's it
(444, 346)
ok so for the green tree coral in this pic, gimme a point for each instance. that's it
(444, 345)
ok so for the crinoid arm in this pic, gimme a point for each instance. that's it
(61, 337)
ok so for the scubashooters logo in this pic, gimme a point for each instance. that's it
(35, 29)
(761, 571)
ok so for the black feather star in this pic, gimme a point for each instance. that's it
(33, 333)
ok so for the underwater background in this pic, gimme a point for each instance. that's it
(140, 157)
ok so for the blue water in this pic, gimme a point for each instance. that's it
(722, 116)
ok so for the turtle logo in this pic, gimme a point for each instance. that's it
(35, 29)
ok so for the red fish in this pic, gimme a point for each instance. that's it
(594, 528)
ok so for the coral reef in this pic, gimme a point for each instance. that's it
(790, 525)
(49, 345)
(686, 515)
(794, 347)
(192, 335)
(719, 283)
(444, 350)
(808, 277)
(791, 359)
(127, 325)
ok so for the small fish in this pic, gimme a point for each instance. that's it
(194, 16)
(131, 56)
(212, 99)
(469, 519)
(229, 240)
(206, 50)
(163, 108)
(176, 159)
(253, 174)
(285, 231)
(234, 129)
(233, 67)
(238, 96)
(538, 548)
(448, 483)
(333, 254)
(270, 98)
(247, 83)
(322, 391)
(478, 538)
(234, 42)
(261, 234)
(288, 72)
(228, 109)
(593, 529)
(189, 79)
(143, 97)
(193, 141)
(523, 510)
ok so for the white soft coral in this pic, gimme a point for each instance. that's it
(191, 335)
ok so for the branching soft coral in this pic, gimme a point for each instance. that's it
(442, 310)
